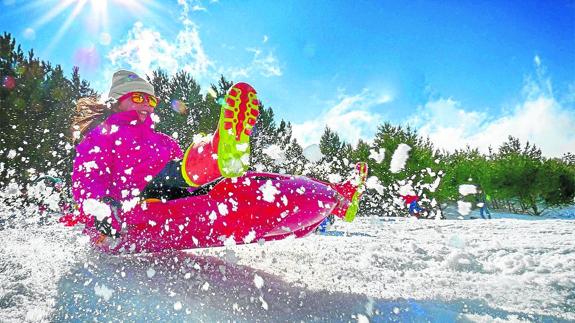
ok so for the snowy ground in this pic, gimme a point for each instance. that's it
(373, 270)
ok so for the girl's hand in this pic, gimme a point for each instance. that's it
(110, 225)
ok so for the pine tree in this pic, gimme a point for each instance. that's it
(35, 115)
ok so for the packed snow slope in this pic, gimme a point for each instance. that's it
(371, 270)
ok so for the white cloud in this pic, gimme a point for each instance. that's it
(199, 8)
(267, 65)
(146, 50)
(540, 119)
(352, 118)
(29, 34)
(537, 60)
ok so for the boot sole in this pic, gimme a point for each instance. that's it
(238, 116)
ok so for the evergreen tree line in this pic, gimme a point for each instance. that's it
(37, 102)
(514, 178)
(36, 106)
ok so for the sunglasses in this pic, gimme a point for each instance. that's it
(138, 97)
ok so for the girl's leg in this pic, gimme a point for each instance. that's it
(168, 184)
(227, 153)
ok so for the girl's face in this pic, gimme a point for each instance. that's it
(140, 102)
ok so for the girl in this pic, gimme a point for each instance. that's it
(121, 157)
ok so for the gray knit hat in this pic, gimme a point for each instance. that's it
(125, 82)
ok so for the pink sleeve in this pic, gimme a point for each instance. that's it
(91, 176)
(176, 151)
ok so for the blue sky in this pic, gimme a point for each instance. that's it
(463, 72)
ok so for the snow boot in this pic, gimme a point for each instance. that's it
(227, 152)
(200, 164)
(351, 191)
(238, 116)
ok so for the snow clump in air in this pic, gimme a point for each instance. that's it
(276, 153)
(103, 291)
(11, 154)
(269, 191)
(96, 208)
(250, 237)
(242, 147)
(464, 208)
(405, 188)
(467, 189)
(374, 183)
(258, 281)
(90, 165)
(223, 209)
(334, 178)
(399, 158)
(377, 155)
(313, 153)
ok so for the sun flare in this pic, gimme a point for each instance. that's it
(94, 13)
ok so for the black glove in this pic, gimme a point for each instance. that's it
(105, 225)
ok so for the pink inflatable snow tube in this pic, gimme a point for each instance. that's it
(251, 208)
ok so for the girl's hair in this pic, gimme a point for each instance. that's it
(89, 114)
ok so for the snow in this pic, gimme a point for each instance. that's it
(250, 237)
(374, 183)
(90, 165)
(223, 209)
(370, 270)
(275, 152)
(399, 158)
(467, 189)
(213, 216)
(258, 281)
(313, 153)
(378, 155)
(464, 208)
(242, 147)
(334, 178)
(103, 291)
(269, 191)
(96, 208)
(11, 154)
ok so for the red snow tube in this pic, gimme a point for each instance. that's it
(251, 208)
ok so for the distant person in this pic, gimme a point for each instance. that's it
(414, 208)
(483, 199)
(324, 225)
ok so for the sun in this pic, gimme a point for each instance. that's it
(96, 12)
(99, 6)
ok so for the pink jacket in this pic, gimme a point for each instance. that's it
(119, 157)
